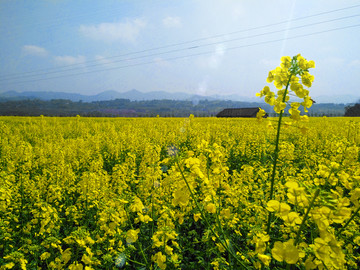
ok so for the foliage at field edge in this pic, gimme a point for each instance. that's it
(146, 108)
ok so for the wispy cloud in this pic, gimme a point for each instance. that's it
(172, 22)
(335, 61)
(202, 87)
(269, 63)
(70, 60)
(34, 50)
(355, 63)
(214, 60)
(161, 62)
(104, 60)
(119, 31)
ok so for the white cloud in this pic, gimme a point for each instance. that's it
(216, 58)
(213, 61)
(172, 22)
(69, 60)
(202, 87)
(355, 63)
(270, 63)
(334, 61)
(103, 60)
(161, 62)
(124, 31)
(238, 12)
(34, 50)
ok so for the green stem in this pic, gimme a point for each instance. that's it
(217, 218)
(276, 154)
(135, 262)
(317, 192)
(220, 226)
(22, 201)
(137, 242)
(142, 253)
(152, 206)
(348, 222)
(203, 216)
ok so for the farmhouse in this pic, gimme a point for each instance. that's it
(239, 112)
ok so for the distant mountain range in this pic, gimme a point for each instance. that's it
(155, 95)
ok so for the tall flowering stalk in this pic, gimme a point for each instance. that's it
(289, 78)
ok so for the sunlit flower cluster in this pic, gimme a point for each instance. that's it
(289, 78)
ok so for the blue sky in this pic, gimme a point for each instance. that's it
(203, 47)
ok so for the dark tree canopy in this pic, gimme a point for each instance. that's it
(353, 110)
(145, 108)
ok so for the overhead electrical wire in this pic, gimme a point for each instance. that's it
(176, 50)
(80, 65)
(77, 66)
(201, 39)
(221, 35)
(190, 55)
(66, 19)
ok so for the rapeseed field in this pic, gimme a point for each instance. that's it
(174, 193)
(90, 193)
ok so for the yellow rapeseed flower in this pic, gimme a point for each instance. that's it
(260, 114)
(285, 62)
(276, 206)
(285, 252)
(291, 218)
(265, 259)
(132, 236)
(181, 197)
(45, 256)
(197, 216)
(211, 208)
(160, 260)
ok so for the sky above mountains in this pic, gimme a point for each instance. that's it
(203, 47)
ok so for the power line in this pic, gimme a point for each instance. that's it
(190, 55)
(80, 65)
(113, 11)
(205, 38)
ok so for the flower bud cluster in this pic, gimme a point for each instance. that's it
(290, 78)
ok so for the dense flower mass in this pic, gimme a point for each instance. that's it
(132, 193)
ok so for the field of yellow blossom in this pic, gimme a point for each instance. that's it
(175, 193)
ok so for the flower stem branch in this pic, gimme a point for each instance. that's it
(348, 222)
(139, 263)
(276, 154)
(203, 216)
(317, 192)
(137, 242)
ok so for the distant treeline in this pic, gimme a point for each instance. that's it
(149, 108)
(353, 110)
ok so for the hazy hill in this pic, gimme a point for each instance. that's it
(126, 107)
(135, 95)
